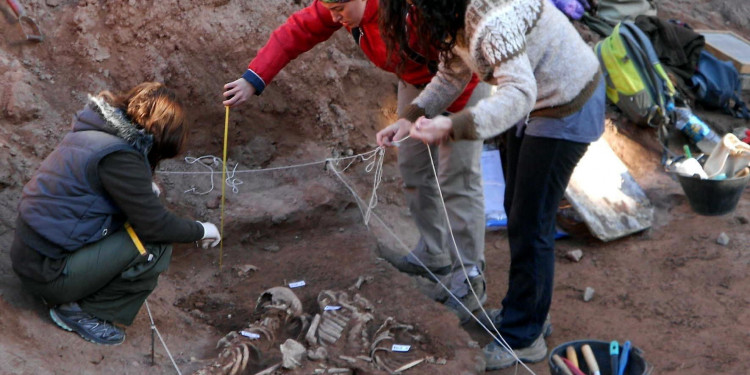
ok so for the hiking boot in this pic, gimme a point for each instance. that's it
(403, 265)
(88, 326)
(469, 301)
(497, 315)
(496, 357)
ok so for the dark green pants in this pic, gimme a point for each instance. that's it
(108, 279)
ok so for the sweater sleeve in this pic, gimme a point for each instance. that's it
(513, 99)
(302, 31)
(128, 182)
(447, 85)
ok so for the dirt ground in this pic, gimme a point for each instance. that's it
(671, 290)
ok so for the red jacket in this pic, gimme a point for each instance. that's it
(314, 24)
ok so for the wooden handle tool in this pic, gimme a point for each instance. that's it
(573, 368)
(570, 352)
(588, 355)
(561, 365)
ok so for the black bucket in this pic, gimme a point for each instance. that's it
(636, 364)
(713, 197)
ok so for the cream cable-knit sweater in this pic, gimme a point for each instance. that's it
(530, 51)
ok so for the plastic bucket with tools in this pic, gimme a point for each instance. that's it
(636, 365)
(714, 197)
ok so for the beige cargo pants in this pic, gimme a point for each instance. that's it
(459, 173)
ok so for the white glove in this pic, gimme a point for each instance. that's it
(211, 235)
(155, 188)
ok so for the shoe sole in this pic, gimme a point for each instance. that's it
(524, 360)
(423, 273)
(60, 323)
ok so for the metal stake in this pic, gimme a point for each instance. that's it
(153, 332)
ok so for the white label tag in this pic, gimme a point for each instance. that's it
(400, 348)
(297, 284)
(250, 335)
(331, 308)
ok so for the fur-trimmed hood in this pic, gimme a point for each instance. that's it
(100, 115)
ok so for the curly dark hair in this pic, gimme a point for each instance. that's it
(433, 24)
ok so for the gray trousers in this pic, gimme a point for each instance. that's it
(108, 279)
(460, 177)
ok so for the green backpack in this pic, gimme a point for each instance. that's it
(636, 81)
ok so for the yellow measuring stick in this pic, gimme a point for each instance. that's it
(223, 185)
(137, 241)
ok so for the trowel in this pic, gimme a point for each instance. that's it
(28, 26)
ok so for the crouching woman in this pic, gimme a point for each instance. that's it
(72, 244)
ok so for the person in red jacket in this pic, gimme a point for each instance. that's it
(459, 171)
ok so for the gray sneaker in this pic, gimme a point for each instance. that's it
(497, 357)
(471, 302)
(88, 326)
(496, 315)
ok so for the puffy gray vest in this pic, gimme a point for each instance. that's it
(64, 201)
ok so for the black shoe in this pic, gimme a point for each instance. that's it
(403, 265)
(88, 326)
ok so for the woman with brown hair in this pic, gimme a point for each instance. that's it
(457, 163)
(550, 98)
(72, 244)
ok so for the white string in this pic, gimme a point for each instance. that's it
(234, 182)
(192, 160)
(153, 327)
(360, 203)
(501, 340)
(377, 165)
(377, 156)
(377, 178)
(358, 200)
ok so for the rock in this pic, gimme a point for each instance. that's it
(214, 203)
(723, 239)
(588, 294)
(19, 101)
(272, 248)
(257, 152)
(278, 219)
(197, 314)
(292, 352)
(245, 268)
(575, 255)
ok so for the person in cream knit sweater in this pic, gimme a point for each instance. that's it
(550, 103)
